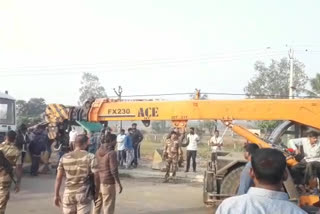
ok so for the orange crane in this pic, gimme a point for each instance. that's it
(299, 112)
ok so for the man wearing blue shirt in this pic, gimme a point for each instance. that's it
(245, 180)
(128, 147)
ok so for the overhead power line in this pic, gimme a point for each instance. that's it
(147, 61)
(125, 65)
(59, 70)
(152, 95)
(215, 93)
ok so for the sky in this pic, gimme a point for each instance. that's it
(149, 46)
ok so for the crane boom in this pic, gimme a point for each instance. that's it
(304, 111)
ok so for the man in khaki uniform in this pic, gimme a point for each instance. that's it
(180, 136)
(171, 154)
(13, 155)
(77, 166)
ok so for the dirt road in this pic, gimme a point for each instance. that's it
(142, 196)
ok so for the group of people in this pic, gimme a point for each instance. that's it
(13, 153)
(79, 165)
(91, 179)
(260, 189)
(173, 153)
(128, 147)
(128, 144)
(33, 142)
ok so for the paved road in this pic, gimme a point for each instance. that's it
(141, 196)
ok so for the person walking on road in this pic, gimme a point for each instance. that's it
(192, 147)
(22, 141)
(120, 143)
(36, 148)
(77, 166)
(137, 138)
(128, 147)
(109, 176)
(171, 154)
(93, 142)
(10, 157)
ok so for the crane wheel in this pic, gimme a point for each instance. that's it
(231, 181)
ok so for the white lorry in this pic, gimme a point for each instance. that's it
(7, 114)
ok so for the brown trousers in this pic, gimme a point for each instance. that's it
(172, 163)
(106, 200)
(4, 198)
(76, 204)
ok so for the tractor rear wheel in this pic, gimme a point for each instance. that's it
(231, 182)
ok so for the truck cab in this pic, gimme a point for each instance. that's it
(7, 114)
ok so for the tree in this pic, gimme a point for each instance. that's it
(315, 86)
(210, 125)
(158, 126)
(30, 112)
(268, 126)
(200, 128)
(21, 107)
(90, 87)
(272, 81)
(36, 107)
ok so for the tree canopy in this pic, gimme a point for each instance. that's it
(272, 81)
(315, 86)
(90, 87)
(30, 112)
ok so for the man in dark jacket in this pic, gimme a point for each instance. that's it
(37, 146)
(108, 172)
(128, 147)
(137, 138)
(22, 141)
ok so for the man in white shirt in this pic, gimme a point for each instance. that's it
(215, 143)
(121, 152)
(309, 167)
(192, 147)
(72, 137)
(268, 172)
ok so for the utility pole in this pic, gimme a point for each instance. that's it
(291, 87)
(118, 93)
